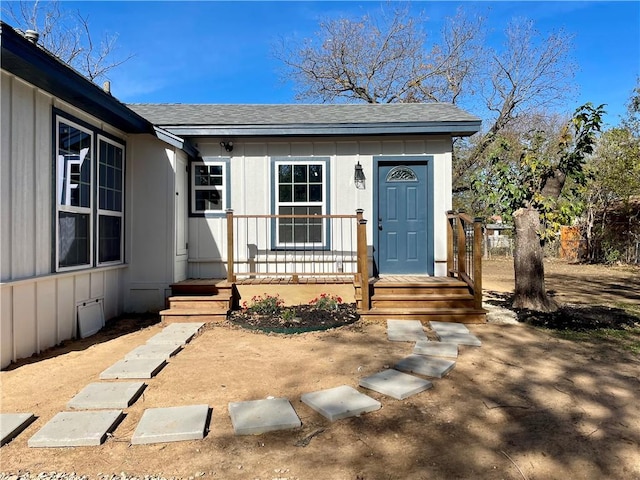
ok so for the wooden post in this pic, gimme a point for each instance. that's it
(231, 277)
(450, 213)
(462, 246)
(363, 264)
(477, 262)
(359, 217)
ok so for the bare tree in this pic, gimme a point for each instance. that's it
(530, 73)
(67, 35)
(382, 60)
(386, 59)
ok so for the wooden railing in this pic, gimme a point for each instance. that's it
(266, 246)
(464, 252)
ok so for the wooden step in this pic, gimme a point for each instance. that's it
(427, 314)
(419, 290)
(463, 300)
(175, 315)
(199, 286)
(209, 303)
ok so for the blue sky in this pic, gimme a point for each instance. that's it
(221, 52)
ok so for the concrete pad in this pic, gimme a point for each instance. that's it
(260, 416)
(106, 395)
(437, 349)
(136, 368)
(427, 366)
(171, 424)
(11, 424)
(460, 339)
(175, 337)
(340, 402)
(76, 429)
(405, 330)
(153, 350)
(448, 327)
(395, 384)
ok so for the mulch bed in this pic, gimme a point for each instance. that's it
(306, 318)
(571, 316)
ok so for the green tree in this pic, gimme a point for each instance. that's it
(525, 179)
(614, 182)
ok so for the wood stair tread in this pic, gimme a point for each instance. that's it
(422, 297)
(193, 311)
(423, 311)
(200, 297)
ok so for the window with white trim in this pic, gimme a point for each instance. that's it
(87, 233)
(110, 201)
(209, 186)
(300, 189)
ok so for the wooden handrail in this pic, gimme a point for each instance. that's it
(296, 216)
(363, 264)
(289, 256)
(477, 262)
(230, 250)
(462, 251)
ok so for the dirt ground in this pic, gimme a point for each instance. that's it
(526, 405)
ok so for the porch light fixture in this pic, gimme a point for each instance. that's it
(358, 177)
(228, 146)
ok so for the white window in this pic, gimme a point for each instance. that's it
(209, 186)
(301, 189)
(74, 194)
(110, 201)
(85, 226)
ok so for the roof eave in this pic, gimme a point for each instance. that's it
(457, 129)
(31, 63)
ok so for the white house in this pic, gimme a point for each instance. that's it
(104, 206)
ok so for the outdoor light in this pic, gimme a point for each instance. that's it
(358, 177)
(228, 146)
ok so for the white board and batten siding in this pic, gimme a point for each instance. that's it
(38, 308)
(156, 238)
(251, 187)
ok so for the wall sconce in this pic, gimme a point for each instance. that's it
(228, 146)
(358, 177)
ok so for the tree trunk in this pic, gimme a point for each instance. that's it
(530, 292)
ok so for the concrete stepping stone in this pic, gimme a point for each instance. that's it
(405, 330)
(437, 349)
(261, 416)
(448, 327)
(153, 350)
(395, 384)
(136, 368)
(427, 366)
(175, 337)
(12, 424)
(106, 395)
(76, 429)
(340, 402)
(193, 327)
(171, 424)
(460, 339)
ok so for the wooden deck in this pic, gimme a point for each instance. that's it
(411, 297)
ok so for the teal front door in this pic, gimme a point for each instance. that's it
(404, 228)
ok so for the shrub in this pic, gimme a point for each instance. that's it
(264, 305)
(326, 302)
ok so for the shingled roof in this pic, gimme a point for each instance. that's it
(317, 119)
